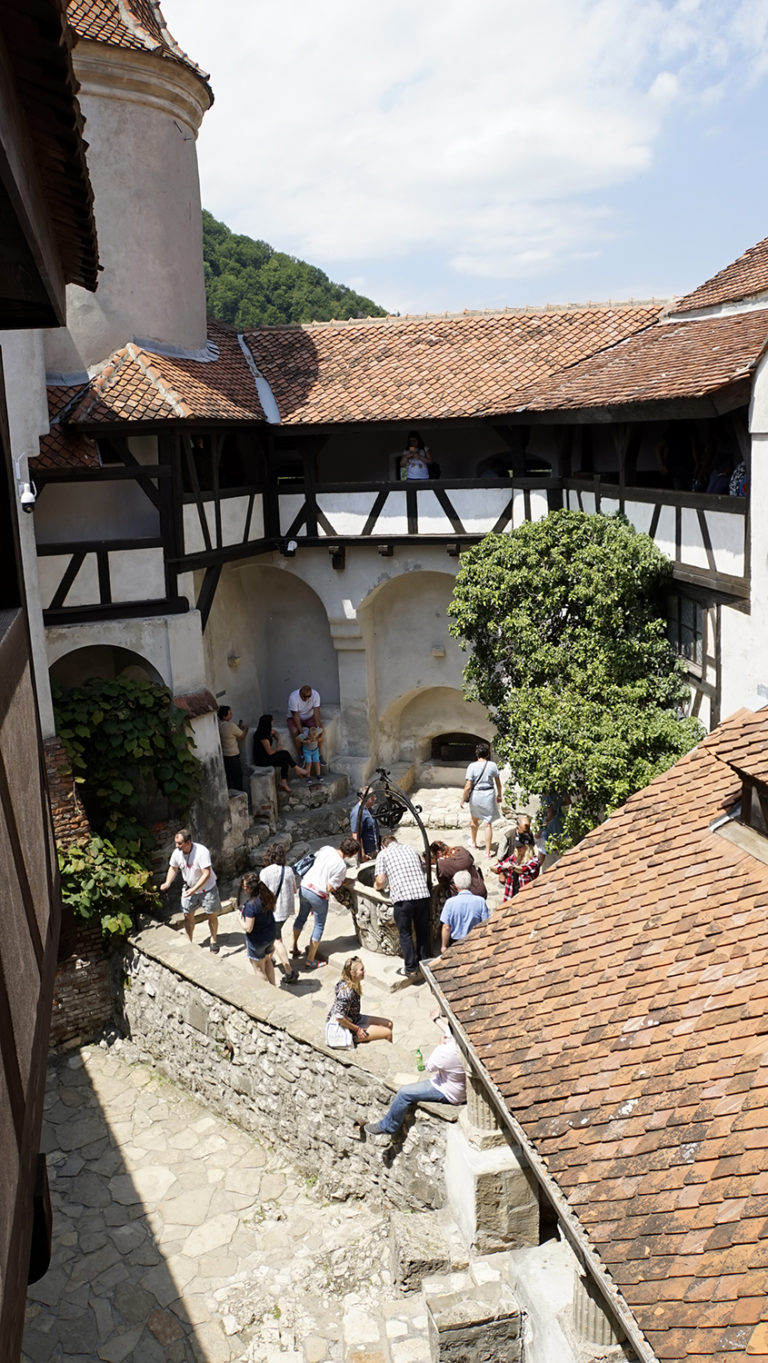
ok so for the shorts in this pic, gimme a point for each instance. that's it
(310, 754)
(207, 900)
(258, 953)
(340, 1038)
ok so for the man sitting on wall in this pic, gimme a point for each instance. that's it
(447, 1085)
(304, 713)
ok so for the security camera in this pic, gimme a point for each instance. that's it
(28, 497)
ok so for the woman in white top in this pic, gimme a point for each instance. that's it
(280, 879)
(415, 460)
(482, 788)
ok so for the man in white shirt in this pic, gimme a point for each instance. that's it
(327, 872)
(194, 862)
(447, 1085)
(304, 713)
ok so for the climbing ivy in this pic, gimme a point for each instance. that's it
(97, 883)
(127, 743)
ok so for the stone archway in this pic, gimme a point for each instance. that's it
(276, 627)
(105, 661)
(410, 726)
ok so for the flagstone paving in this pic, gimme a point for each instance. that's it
(179, 1239)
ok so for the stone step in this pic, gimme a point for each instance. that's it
(396, 1334)
(308, 825)
(335, 786)
(422, 1244)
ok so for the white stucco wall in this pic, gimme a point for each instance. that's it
(24, 371)
(171, 644)
(744, 635)
(142, 116)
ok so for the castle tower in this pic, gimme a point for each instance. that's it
(143, 101)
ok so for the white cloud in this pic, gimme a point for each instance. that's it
(491, 134)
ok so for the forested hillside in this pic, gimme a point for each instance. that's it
(249, 284)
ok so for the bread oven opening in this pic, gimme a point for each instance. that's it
(454, 749)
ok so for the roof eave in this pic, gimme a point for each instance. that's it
(613, 1301)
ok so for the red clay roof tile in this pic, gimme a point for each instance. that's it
(745, 277)
(666, 361)
(138, 385)
(427, 368)
(651, 1119)
(137, 25)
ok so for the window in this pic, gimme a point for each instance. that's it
(686, 630)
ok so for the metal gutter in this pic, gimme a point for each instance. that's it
(576, 1236)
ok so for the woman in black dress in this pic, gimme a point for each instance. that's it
(268, 751)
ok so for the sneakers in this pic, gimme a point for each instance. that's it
(290, 979)
(214, 946)
(374, 1129)
(409, 974)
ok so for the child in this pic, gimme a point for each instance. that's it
(310, 753)
(257, 920)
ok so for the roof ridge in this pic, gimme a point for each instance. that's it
(521, 310)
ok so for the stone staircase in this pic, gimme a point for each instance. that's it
(302, 820)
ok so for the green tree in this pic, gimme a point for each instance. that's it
(564, 621)
(248, 284)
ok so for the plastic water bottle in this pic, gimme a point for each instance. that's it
(420, 1061)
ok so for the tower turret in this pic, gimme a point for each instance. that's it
(143, 100)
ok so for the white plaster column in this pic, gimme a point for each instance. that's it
(491, 1191)
(355, 737)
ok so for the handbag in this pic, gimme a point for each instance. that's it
(304, 864)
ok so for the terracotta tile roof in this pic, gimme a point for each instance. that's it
(619, 1004)
(417, 369)
(135, 24)
(139, 385)
(743, 278)
(64, 447)
(667, 360)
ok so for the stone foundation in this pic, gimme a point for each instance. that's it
(309, 1101)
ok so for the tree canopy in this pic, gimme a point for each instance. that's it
(248, 284)
(564, 619)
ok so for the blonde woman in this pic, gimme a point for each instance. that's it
(345, 1025)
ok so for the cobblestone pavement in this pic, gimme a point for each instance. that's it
(179, 1239)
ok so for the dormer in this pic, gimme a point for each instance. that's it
(746, 822)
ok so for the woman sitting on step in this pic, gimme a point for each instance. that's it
(268, 751)
(346, 1025)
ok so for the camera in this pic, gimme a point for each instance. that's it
(28, 497)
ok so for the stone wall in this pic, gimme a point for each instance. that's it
(70, 821)
(304, 1098)
(82, 1002)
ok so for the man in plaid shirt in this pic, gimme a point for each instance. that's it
(401, 868)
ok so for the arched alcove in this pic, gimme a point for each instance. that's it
(105, 661)
(411, 723)
(455, 748)
(277, 627)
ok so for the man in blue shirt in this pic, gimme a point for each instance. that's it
(462, 912)
(368, 832)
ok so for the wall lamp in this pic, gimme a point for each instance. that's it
(453, 550)
(338, 555)
(288, 549)
(386, 550)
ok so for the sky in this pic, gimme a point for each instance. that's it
(460, 154)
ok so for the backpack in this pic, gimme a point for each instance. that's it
(304, 864)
